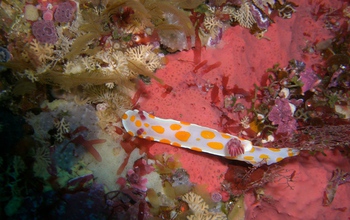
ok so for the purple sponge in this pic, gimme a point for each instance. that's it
(45, 31)
(64, 12)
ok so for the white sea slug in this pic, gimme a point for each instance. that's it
(199, 138)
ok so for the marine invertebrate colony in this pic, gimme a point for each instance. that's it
(45, 31)
(282, 115)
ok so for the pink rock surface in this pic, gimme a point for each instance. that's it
(304, 201)
(244, 59)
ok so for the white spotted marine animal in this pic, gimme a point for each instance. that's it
(199, 138)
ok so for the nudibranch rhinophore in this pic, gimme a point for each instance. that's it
(199, 138)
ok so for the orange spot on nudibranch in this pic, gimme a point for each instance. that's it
(159, 129)
(264, 156)
(252, 150)
(250, 158)
(131, 133)
(146, 125)
(290, 152)
(207, 134)
(215, 145)
(138, 123)
(198, 139)
(183, 135)
(125, 116)
(151, 116)
(176, 144)
(274, 149)
(184, 123)
(132, 118)
(175, 127)
(165, 141)
(196, 149)
(226, 136)
(278, 159)
(149, 138)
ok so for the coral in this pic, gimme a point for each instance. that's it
(200, 208)
(213, 25)
(282, 115)
(116, 101)
(243, 15)
(65, 11)
(44, 52)
(208, 216)
(45, 31)
(245, 122)
(144, 55)
(195, 202)
(42, 158)
(116, 62)
(62, 128)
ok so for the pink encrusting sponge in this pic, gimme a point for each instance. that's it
(202, 139)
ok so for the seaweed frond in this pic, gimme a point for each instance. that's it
(69, 81)
(81, 44)
(139, 68)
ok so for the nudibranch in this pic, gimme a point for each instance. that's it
(199, 138)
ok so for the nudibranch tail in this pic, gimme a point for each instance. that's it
(199, 138)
